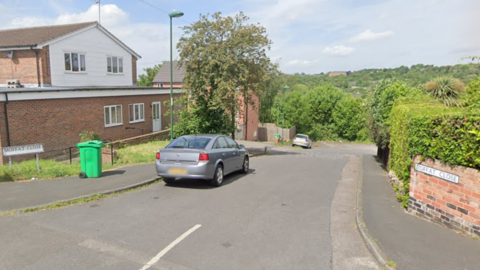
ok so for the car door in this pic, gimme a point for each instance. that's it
(235, 154)
(222, 151)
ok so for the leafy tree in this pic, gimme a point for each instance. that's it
(321, 102)
(446, 89)
(147, 78)
(267, 98)
(226, 58)
(349, 117)
(295, 114)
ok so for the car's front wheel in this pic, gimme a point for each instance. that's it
(168, 180)
(217, 177)
(246, 164)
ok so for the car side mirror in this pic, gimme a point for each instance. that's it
(242, 146)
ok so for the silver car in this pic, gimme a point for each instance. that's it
(302, 140)
(208, 157)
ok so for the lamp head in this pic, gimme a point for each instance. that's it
(175, 14)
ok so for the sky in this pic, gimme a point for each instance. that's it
(308, 36)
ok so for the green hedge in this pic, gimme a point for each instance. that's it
(435, 131)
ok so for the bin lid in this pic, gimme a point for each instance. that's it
(94, 144)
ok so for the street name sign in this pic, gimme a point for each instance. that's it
(437, 173)
(22, 150)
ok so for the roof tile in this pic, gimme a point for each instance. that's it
(32, 36)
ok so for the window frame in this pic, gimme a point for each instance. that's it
(118, 108)
(231, 143)
(217, 145)
(132, 114)
(115, 64)
(81, 59)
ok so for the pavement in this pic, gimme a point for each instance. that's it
(392, 235)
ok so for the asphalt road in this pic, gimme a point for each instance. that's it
(279, 216)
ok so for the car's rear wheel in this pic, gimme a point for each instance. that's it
(246, 164)
(168, 180)
(217, 177)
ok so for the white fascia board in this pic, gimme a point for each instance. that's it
(20, 48)
(64, 94)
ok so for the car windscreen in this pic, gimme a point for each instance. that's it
(301, 136)
(190, 142)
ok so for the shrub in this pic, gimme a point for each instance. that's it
(86, 136)
(472, 94)
(446, 89)
(321, 132)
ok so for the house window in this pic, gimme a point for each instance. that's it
(113, 115)
(75, 62)
(137, 113)
(114, 64)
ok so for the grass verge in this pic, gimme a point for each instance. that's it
(49, 169)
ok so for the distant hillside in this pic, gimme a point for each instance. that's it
(363, 80)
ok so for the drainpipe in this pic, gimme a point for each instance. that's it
(38, 70)
(6, 120)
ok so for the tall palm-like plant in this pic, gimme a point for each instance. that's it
(446, 89)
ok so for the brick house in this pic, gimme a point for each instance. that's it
(338, 73)
(247, 117)
(81, 54)
(55, 117)
(73, 78)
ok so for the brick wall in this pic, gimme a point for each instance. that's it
(134, 70)
(250, 130)
(44, 66)
(57, 123)
(22, 66)
(252, 120)
(455, 205)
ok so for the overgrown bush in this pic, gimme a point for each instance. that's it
(349, 118)
(384, 96)
(201, 117)
(472, 94)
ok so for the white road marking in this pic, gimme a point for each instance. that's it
(169, 247)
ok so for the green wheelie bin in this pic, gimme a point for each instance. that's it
(91, 158)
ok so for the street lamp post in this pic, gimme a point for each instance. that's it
(283, 124)
(278, 113)
(174, 14)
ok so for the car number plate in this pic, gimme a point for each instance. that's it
(177, 171)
